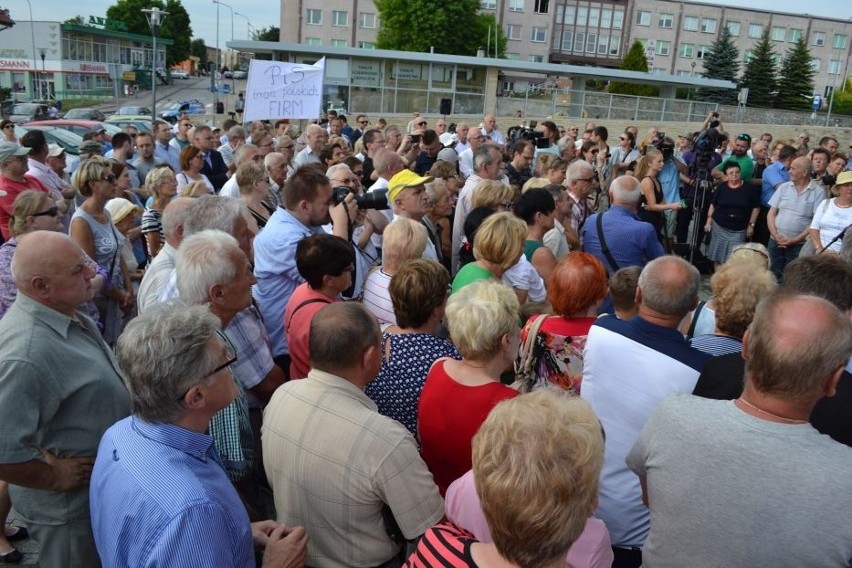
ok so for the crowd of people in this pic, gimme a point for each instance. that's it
(395, 345)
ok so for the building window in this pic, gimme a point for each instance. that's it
(508, 86)
(606, 18)
(819, 39)
(579, 42)
(594, 17)
(643, 18)
(367, 44)
(542, 6)
(816, 63)
(734, 28)
(794, 35)
(755, 30)
(690, 23)
(568, 18)
(603, 42)
(512, 56)
(618, 19)
(513, 31)
(538, 35)
(834, 66)
(778, 33)
(615, 45)
(663, 47)
(567, 40)
(687, 50)
(339, 43)
(591, 43)
(314, 17)
(839, 41)
(488, 4)
(683, 73)
(340, 18)
(536, 59)
(516, 5)
(708, 26)
(747, 55)
(582, 15)
(666, 21)
(367, 20)
(703, 50)
(313, 41)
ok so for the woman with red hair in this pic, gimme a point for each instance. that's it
(575, 289)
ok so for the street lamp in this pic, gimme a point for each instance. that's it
(32, 36)
(43, 75)
(248, 23)
(155, 18)
(217, 2)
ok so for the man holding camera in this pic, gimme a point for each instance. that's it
(308, 204)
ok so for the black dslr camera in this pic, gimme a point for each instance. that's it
(369, 200)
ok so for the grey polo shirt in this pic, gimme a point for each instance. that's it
(795, 210)
(60, 389)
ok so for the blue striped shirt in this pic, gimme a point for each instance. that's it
(159, 497)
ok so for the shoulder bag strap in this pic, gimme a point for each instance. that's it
(691, 333)
(604, 247)
(302, 305)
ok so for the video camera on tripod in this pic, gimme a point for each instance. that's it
(529, 133)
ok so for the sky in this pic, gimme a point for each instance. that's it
(202, 13)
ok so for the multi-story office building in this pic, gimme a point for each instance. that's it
(677, 34)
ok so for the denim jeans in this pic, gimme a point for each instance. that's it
(781, 257)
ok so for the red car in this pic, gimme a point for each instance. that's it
(80, 127)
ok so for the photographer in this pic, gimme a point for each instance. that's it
(550, 133)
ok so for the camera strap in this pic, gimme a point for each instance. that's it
(604, 247)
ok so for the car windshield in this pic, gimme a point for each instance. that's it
(24, 108)
(80, 113)
(65, 138)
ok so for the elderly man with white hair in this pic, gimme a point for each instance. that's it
(618, 237)
(236, 138)
(316, 138)
(159, 492)
(244, 154)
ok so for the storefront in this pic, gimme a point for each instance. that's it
(40, 60)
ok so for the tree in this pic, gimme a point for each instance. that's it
(635, 60)
(759, 75)
(199, 49)
(271, 33)
(721, 62)
(175, 27)
(796, 78)
(77, 20)
(454, 27)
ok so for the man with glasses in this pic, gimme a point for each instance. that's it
(214, 166)
(181, 139)
(518, 170)
(581, 182)
(236, 137)
(361, 124)
(60, 389)
(167, 152)
(14, 180)
(180, 503)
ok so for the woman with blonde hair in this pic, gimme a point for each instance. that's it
(162, 185)
(402, 240)
(493, 194)
(93, 229)
(497, 245)
(253, 181)
(458, 395)
(194, 189)
(653, 202)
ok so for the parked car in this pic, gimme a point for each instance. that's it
(179, 74)
(142, 123)
(134, 111)
(240, 75)
(80, 127)
(191, 106)
(29, 112)
(66, 139)
(84, 114)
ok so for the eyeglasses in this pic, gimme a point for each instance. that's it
(232, 358)
(133, 136)
(363, 122)
(588, 179)
(8, 126)
(52, 212)
(109, 177)
(594, 151)
(506, 205)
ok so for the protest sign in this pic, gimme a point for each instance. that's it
(277, 89)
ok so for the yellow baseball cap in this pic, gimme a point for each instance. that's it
(402, 180)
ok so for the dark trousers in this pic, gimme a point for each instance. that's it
(781, 257)
(626, 557)
(761, 228)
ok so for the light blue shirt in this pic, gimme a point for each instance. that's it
(773, 176)
(276, 272)
(159, 497)
(168, 154)
(670, 181)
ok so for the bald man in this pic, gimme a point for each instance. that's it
(157, 275)
(316, 138)
(60, 389)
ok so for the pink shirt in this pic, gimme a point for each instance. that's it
(303, 304)
(592, 548)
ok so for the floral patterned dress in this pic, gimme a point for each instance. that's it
(558, 352)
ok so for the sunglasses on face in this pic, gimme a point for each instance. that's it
(9, 126)
(52, 212)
